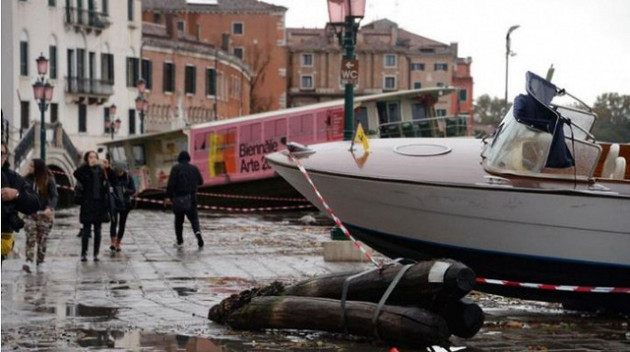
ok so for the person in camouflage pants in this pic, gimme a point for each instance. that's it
(37, 229)
(39, 224)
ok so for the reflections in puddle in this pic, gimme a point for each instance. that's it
(136, 339)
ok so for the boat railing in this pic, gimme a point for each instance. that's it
(439, 126)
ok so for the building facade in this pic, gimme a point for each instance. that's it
(189, 81)
(91, 47)
(390, 59)
(249, 29)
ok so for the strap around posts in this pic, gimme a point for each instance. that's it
(344, 294)
(386, 295)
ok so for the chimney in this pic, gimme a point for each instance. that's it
(169, 22)
(225, 42)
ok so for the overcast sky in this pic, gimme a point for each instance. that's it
(587, 41)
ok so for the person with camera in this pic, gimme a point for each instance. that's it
(39, 224)
(94, 205)
(17, 196)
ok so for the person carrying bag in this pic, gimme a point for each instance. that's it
(124, 189)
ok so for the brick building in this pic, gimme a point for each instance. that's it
(190, 81)
(390, 59)
(248, 29)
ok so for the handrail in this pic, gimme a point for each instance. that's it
(86, 18)
(92, 86)
(25, 145)
(69, 147)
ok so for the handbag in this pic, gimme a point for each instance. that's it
(182, 204)
(78, 193)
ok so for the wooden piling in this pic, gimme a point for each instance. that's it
(408, 326)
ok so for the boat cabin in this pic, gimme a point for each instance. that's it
(541, 139)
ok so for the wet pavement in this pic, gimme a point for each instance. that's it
(154, 297)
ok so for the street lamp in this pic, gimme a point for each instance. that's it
(113, 125)
(43, 92)
(508, 53)
(141, 102)
(343, 14)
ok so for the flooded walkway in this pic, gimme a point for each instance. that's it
(153, 296)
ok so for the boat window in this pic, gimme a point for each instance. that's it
(518, 147)
(582, 122)
(362, 116)
(139, 155)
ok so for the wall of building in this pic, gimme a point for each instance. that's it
(262, 43)
(41, 26)
(435, 64)
(166, 107)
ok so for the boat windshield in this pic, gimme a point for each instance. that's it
(518, 147)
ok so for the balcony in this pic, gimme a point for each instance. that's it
(86, 20)
(96, 91)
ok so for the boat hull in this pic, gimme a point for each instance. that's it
(504, 233)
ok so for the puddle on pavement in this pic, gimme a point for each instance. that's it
(185, 291)
(82, 310)
(271, 341)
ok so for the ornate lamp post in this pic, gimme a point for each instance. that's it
(141, 102)
(113, 125)
(43, 92)
(343, 14)
(508, 53)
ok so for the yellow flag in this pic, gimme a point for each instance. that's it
(361, 137)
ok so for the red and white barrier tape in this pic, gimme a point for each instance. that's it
(566, 288)
(332, 214)
(222, 195)
(219, 208)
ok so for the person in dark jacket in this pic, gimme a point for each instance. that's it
(123, 190)
(17, 196)
(183, 182)
(94, 206)
(39, 224)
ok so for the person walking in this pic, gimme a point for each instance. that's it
(123, 190)
(38, 225)
(181, 193)
(94, 205)
(17, 196)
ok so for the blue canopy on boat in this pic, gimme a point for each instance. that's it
(533, 110)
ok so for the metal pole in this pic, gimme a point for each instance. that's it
(111, 126)
(507, 60)
(348, 43)
(42, 130)
(142, 121)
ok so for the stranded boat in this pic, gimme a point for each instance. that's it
(230, 153)
(536, 210)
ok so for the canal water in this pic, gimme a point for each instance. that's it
(155, 297)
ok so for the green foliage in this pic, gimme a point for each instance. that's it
(613, 124)
(490, 110)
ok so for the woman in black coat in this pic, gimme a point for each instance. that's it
(94, 205)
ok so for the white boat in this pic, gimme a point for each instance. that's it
(511, 207)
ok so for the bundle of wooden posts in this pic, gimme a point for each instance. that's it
(417, 304)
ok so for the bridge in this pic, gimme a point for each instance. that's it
(62, 156)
